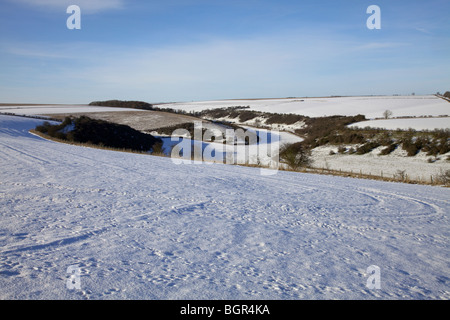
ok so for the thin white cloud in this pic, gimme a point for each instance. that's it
(271, 65)
(32, 51)
(423, 30)
(86, 6)
(51, 51)
(380, 45)
(215, 67)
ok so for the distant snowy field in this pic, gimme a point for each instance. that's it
(405, 124)
(370, 106)
(55, 109)
(141, 227)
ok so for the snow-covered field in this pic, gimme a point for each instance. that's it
(265, 152)
(417, 168)
(370, 106)
(405, 124)
(141, 227)
(58, 109)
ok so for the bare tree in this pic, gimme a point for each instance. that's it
(295, 156)
(387, 114)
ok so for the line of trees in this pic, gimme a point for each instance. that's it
(123, 104)
(99, 132)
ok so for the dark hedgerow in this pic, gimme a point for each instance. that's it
(295, 156)
(333, 129)
(123, 104)
(54, 130)
(388, 150)
(367, 147)
(283, 118)
(100, 132)
(247, 115)
(43, 128)
(412, 147)
(346, 138)
(230, 112)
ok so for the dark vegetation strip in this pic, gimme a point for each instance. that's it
(99, 132)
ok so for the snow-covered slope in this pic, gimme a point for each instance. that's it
(420, 168)
(141, 227)
(58, 109)
(405, 124)
(370, 106)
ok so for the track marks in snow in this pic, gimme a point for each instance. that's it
(55, 243)
(415, 207)
(142, 227)
(18, 155)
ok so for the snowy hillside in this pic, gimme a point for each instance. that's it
(418, 168)
(370, 106)
(141, 227)
(58, 109)
(405, 124)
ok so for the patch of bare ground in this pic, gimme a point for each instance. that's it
(141, 120)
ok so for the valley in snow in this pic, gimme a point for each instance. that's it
(370, 106)
(421, 167)
(142, 227)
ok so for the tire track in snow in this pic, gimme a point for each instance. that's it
(426, 208)
(56, 243)
(16, 152)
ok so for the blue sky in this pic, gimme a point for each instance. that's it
(175, 50)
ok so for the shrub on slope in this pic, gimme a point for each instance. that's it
(123, 104)
(100, 132)
(295, 156)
